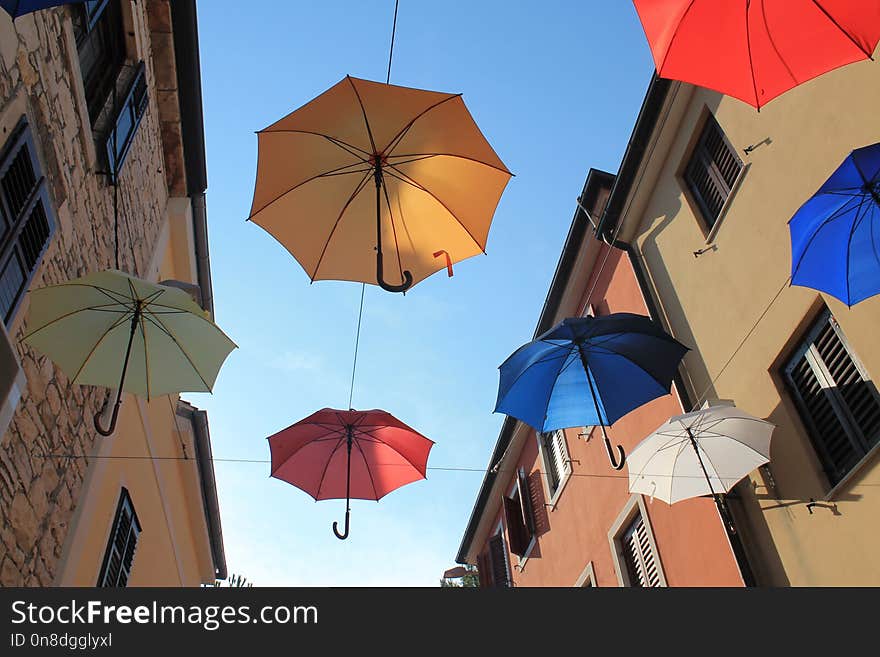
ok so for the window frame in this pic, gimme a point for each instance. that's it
(587, 578)
(634, 506)
(514, 493)
(22, 137)
(125, 503)
(112, 58)
(694, 198)
(860, 443)
(553, 494)
(485, 561)
(134, 106)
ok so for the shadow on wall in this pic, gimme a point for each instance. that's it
(790, 490)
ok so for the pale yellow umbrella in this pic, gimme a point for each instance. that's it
(110, 329)
(368, 166)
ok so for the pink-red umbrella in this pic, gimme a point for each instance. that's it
(756, 50)
(335, 454)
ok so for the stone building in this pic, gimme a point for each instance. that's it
(100, 117)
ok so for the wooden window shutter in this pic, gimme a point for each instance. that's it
(26, 218)
(712, 171)
(499, 565)
(484, 570)
(838, 405)
(524, 490)
(641, 563)
(121, 545)
(516, 530)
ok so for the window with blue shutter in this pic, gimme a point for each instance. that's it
(27, 220)
(121, 545)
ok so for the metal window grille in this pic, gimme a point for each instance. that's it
(712, 171)
(121, 545)
(836, 399)
(27, 220)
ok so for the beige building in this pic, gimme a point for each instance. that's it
(91, 94)
(704, 196)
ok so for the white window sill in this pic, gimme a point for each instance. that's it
(562, 484)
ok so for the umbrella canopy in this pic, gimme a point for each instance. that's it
(335, 454)
(756, 50)
(367, 169)
(16, 8)
(835, 234)
(588, 371)
(110, 329)
(701, 453)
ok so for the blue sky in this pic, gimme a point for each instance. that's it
(555, 87)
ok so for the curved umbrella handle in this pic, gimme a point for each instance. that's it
(109, 430)
(617, 465)
(344, 535)
(388, 287)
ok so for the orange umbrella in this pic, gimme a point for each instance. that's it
(437, 183)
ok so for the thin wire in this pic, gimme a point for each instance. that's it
(357, 341)
(740, 346)
(391, 52)
(357, 338)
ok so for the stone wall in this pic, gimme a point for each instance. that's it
(38, 495)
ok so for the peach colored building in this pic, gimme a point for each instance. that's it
(551, 511)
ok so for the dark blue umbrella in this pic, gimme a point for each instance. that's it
(587, 371)
(16, 8)
(835, 236)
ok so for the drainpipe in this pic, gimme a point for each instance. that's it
(203, 260)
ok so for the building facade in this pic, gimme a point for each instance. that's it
(102, 165)
(551, 511)
(703, 199)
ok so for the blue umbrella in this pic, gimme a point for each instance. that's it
(16, 8)
(618, 362)
(835, 236)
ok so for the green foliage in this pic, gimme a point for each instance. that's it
(236, 581)
(471, 580)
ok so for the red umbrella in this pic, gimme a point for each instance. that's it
(756, 50)
(352, 454)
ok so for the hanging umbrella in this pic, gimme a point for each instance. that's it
(835, 235)
(587, 371)
(701, 453)
(16, 8)
(756, 50)
(366, 168)
(111, 329)
(352, 454)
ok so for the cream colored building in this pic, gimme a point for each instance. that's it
(139, 507)
(704, 196)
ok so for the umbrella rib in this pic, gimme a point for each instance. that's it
(161, 325)
(751, 59)
(395, 141)
(852, 231)
(74, 312)
(146, 356)
(364, 111)
(393, 229)
(411, 181)
(344, 145)
(544, 359)
(617, 353)
(422, 156)
(326, 466)
(369, 472)
(332, 172)
(112, 327)
(840, 27)
(107, 293)
(736, 440)
(773, 43)
(358, 189)
(835, 215)
(405, 457)
(674, 34)
(565, 366)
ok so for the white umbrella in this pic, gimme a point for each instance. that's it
(701, 453)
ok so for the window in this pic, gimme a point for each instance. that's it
(836, 399)
(121, 545)
(26, 218)
(493, 566)
(519, 516)
(638, 555)
(100, 44)
(712, 171)
(130, 112)
(554, 453)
